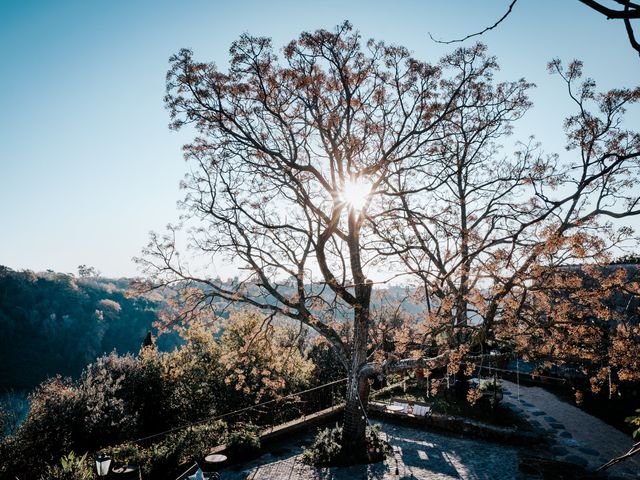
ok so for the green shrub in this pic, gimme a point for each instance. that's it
(163, 458)
(490, 385)
(159, 461)
(634, 421)
(48, 432)
(197, 441)
(243, 443)
(128, 454)
(71, 467)
(326, 449)
(377, 445)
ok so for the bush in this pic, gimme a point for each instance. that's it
(108, 416)
(50, 431)
(377, 446)
(159, 461)
(197, 441)
(489, 386)
(71, 467)
(13, 460)
(326, 450)
(243, 443)
(163, 458)
(635, 422)
(128, 454)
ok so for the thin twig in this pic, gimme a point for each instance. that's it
(477, 33)
(632, 451)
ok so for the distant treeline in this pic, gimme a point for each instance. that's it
(53, 323)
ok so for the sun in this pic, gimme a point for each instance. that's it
(355, 193)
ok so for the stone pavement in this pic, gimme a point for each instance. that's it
(418, 455)
(575, 436)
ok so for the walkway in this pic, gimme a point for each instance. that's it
(420, 455)
(576, 436)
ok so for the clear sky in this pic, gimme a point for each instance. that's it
(87, 164)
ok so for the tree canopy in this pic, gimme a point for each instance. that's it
(343, 164)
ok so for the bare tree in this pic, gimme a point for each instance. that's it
(315, 171)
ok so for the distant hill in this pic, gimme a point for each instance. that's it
(56, 323)
(53, 323)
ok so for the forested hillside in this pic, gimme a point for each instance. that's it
(54, 323)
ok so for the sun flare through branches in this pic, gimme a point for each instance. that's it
(355, 192)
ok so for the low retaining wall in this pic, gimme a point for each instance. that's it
(459, 425)
(279, 432)
(299, 424)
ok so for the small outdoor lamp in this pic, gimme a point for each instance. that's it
(103, 462)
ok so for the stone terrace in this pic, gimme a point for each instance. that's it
(576, 436)
(418, 455)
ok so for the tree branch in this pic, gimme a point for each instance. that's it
(611, 13)
(477, 33)
(632, 451)
(632, 39)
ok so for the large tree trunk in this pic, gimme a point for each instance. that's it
(355, 423)
(355, 414)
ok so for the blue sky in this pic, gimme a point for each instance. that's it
(87, 164)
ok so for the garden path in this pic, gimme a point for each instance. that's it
(576, 436)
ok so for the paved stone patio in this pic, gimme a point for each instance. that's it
(418, 455)
(576, 436)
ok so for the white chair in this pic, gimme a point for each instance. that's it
(421, 410)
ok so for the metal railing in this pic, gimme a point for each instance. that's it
(267, 415)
